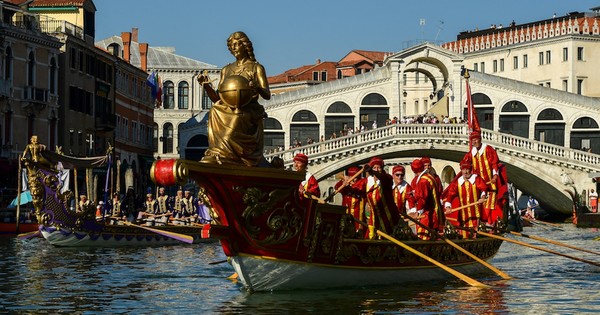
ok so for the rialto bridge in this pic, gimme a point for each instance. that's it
(541, 169)
(540, 132)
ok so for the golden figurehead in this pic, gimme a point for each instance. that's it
(235, 122)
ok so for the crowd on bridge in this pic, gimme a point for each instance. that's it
(347, 130)
(388, 202)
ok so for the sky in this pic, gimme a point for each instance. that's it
(289, 34)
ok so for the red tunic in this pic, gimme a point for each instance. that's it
(467, 192)
(382, 213)
(485, 164)
(354, 202)
(427, 204)
(401, 193)
(311, 187)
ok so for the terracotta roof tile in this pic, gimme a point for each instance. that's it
(53, 3)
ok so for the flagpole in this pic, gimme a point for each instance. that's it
(19, 197)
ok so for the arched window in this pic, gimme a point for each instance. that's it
(114, 49)
(169, 95)
(339, 108)
(480, 99)
(167, 138)
(272, 124)
(585, 123)
(514, 107)
(304, 116)
(183, 95)
(8, 64)
(374, 99)
(550, 114)
(30, 69)
(52, 76)
(274, 135)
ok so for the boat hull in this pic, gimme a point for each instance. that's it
(587, 220)
(270, 274)
(11, 228)
(278, 240)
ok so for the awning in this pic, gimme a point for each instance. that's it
(440, 108)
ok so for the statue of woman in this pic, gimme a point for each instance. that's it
(235, 123)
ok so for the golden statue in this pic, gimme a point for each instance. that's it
(235, 122)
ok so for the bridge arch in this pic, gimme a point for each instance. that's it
(585, 134)
(304, 125)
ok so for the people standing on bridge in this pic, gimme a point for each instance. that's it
(309, 187)
(427, 207)
(468, 189)
(353, 201)
(485, 165)
(381, 211)
(593, 200)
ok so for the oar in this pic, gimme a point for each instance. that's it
(553, 242)
(180, 237)
(453, 272)
(541, 224)
(330, 197)
(28, 235)
(548, 223)
(217, 262)
(433, 234)
(465, 206)
(533, 246)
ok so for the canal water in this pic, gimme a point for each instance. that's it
(37, 278)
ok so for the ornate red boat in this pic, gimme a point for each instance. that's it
(275, 240)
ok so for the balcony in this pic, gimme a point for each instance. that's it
(5, 88)
(105, 122)
(37, 95)
(51, 26)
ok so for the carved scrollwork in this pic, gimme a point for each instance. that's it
(283, 221)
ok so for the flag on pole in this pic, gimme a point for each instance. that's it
(472, 119)
(159, 91)
(152, 82)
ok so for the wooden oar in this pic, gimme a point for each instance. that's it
(330, 197)
(180, 237)
(28, 235)
(217, 262)
(453, 272)
(465, 206)
(554, 242)
(542, 224)
(433, 234)
(534, 247)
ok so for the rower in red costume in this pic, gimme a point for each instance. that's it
(486, 165)
(353, 201)
(382, 213)
(429, 168)
(309, 187)
(467, 189)
(401, 188)
(426, 201)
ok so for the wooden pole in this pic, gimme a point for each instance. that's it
(433, 234)
(19, 186)
(180, 237)
(554, 242)
(536, 247)
(453, 272)
(465, 206)
(330, 197)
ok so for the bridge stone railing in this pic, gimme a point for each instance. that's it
(450, 134)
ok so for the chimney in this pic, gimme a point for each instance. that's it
(318, 61)
(134, 35)
(144, 56)
(126, 37)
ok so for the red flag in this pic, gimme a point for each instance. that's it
(471, 115)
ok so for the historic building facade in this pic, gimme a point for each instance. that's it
(182, 97)
(29, 79)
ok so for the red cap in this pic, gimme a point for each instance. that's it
(398, 168)
(426, 160)
(376, 161)
(352, 171)
(466, 164)
(302, 158)
(475, 135)
(417, 166)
